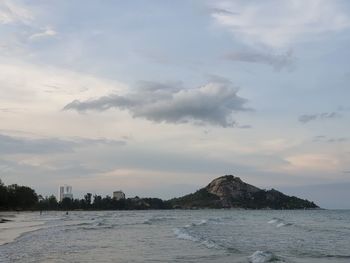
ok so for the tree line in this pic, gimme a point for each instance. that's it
(15, 197)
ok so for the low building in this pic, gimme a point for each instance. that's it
(118, 195)
(65, 192)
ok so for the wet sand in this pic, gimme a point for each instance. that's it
(15, 224)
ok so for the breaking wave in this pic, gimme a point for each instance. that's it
(183, 233)
(279, 222)
(262, 257)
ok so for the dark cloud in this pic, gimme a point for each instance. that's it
(305, 118)
(10, 145)
(319, 138)
(335, 140)
(323, 138)
(213, 103)
(23, 145)
(329, 115)
(277, 61)
(246, 126)
(343, 108)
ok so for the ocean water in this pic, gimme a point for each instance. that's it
(183, 236)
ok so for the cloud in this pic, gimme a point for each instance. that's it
(24, 145)
(343, 108)
(336, 140)
(10, 13)
(322, 138)
(305, 118)
(319, 138)
(245, 126)
(213, 103)
(278, 24)
(46, 32)
(11, 145)
(277, 61)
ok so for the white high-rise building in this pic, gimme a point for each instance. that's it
(65, 192)
(118, 195)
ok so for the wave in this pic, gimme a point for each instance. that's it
(283, 224)
(275, 220)
(200, 223)
(203, 222)
(279, 222)
(182, 233)
(17, 229)
(262, 257)
(153, 220)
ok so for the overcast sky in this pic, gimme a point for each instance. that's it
(157, 98)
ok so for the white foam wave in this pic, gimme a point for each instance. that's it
(262, 257)
(181, 233)
(275, 220)
(283, 224)
(279, 222)
(204, 222)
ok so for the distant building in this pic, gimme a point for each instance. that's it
(118, 195)
(65, 192)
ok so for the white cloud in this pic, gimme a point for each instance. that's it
(32, 87)
(278, 24)
(32, 97)
(11, 12)
(46, 32)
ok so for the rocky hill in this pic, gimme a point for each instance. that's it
(231, 192)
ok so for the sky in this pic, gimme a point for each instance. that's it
(157, 98)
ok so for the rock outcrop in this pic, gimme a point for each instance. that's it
(231, 192)
(229, 188)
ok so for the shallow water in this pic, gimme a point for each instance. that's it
(183, 236)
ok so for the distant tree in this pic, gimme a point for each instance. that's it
(52, 201)
(97, 203)
(66, 203)
(21, 197)
(16, 197)
(3, 196)
(87, 199)
(48, 203)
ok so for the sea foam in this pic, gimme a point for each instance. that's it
(262, 257)
(182, 233)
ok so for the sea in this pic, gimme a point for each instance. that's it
(177, 236)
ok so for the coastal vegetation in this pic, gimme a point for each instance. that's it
(14, 197)
(224, 192)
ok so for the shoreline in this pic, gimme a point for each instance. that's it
(169, 209)
(17, 225)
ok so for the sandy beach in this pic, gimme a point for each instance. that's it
(16, 224)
